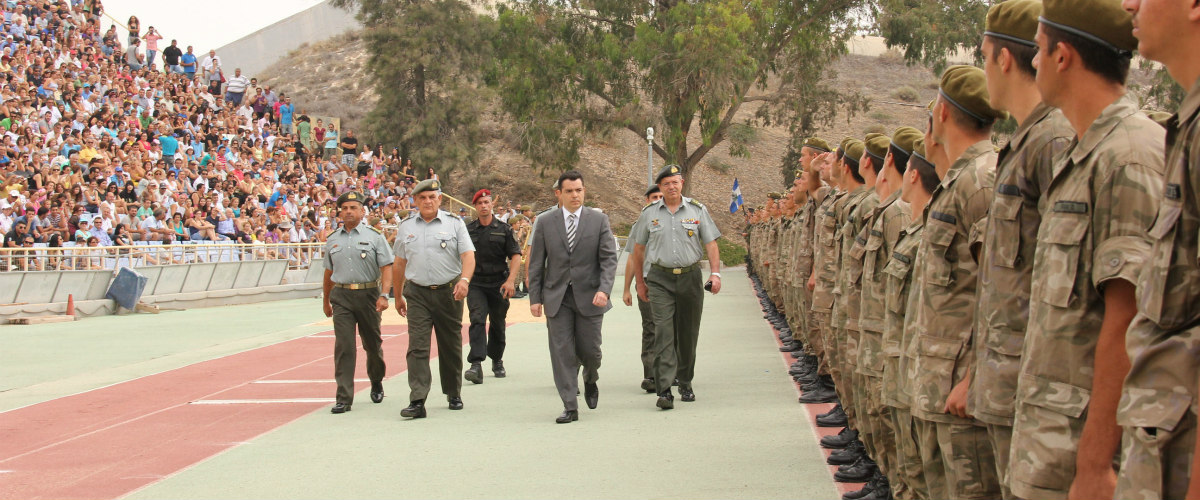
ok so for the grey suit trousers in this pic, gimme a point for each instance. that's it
(574, 341)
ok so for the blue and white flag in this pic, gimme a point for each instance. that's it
(735, 199)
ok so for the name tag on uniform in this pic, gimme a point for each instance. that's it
(1071, 207)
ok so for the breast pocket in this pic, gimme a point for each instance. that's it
(1157, 273)
(1006, 226)
(691, 229)
(897, 271)
(939, 270)
(1060, 243)
(447, 242)
(874, 258)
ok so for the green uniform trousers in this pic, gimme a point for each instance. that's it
(434, 311)
(351, 309)
(676, 301)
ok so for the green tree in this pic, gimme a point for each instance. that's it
(426, 61)
(567, 68)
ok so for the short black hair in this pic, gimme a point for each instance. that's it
(967, 122)
(570, 175)
(926, 172)
(854, 173)
(1022, 54)
(1110, 63)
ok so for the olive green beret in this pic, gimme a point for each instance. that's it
(526, 207)
(817, 144)
(918, 154)
(1015, 21)
(515, 219)
(905, 137)
(845, 142)
(403, 213)
(667, 171)
(966, 88)
(774, 196)
(854, 150)
(877, 147)
(427, 185)
(1160, 117)
(652, 189)
(1102, 21)
(350, 196)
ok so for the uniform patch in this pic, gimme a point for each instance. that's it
(902, 258)
(944, 217)
(1071, 207)
(1173, 192)
(1008, 189)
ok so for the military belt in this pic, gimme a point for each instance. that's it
(357, 286)
(436, 287)
(676, 270)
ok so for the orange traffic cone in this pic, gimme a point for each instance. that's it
(70, 305)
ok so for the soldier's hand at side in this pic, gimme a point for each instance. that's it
(381, 304)
(535, 310)
(460, 290)
(812, 282)
(600, 299)
(401, 306)
(716, 281)
(328, 309)
(956, 401)
(507, 290)
(1101, 484)
(627, 297)
(642, 292)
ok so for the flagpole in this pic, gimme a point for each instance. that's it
(649, 156)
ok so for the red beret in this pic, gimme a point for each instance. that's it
(479, 194)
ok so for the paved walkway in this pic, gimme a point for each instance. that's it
(745, 437)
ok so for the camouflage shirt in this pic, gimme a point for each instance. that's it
(854, 247)
(899, 348)
(826, 258)
(1022, 175)
(1164, 338)
(886, 223)
(945, 281)
(806, 219)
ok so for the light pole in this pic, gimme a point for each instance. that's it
(649, 155)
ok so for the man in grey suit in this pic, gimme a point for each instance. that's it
(572, 266)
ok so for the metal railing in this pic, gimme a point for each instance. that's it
(43, 258)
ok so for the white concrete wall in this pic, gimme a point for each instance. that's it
(259, 50)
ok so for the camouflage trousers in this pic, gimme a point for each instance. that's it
(835, 352)
(957, 460)
(883, 432)
(817, 326)
(1042, 457)
(910, 475)
(1156, 462)
(1000, 436)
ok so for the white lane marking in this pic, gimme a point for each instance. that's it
(260, 401)
(325, 381)
(320, 336)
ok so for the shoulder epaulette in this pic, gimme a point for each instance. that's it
(373, 228)
(659, 202)
(450, 214)
(694, 202)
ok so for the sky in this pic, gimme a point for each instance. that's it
(207, 24)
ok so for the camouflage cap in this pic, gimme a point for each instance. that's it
(817, 143)
(350, 196)
(427, 185)
(667, 171)
(1014, 21)
(1104, 22)
(966, 88)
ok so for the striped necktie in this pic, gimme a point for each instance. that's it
(571, 232)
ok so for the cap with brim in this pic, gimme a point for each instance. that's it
(349, 196)
(1104, 22)
(817, 143)
(287, 224)
(965, 87)
(427, 185)
(1015, 21)
(667, 171)
(652, 189)
(901, 146)
(877, 148)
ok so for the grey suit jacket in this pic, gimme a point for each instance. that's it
(591, 268)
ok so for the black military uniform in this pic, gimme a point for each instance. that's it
(494, 244)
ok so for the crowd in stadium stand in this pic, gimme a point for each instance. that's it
(110, 140)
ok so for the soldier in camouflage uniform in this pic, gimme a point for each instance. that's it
(825, 265)
(791, 247)
(883, 228)
(808, 180)
(954, 448)
(1092, 242)
(1158, 402)
(1022, 175)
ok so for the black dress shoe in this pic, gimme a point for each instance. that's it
(666, 401)
(841, 440)
(376, 392)
(591, 395)
(832, 421)
(567, 417)
(866, 490)
(847, 455)
(836, 408)
(856, 473)
(474, 374)
(648, 385)
(498, 369)
(686, 393)
(415, 409)
(455, 403)
(340, 408)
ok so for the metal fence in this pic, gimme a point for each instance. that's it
(40, 257)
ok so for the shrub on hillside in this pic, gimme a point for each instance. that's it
(906, 94)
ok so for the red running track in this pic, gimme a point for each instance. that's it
(107, 442)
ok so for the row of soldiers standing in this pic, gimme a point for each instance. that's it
(1017, 324)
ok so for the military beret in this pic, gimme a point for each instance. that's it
(526, 207)
(918, 154)
(877, 147)
(854, 151)
(817, 143)
(652, 189)
(350, 196)
(403, 213)
(774, 196)
(1102, 21)
(667, 171)
(966, 88)
(427, 185)
(845, 142)
(515, 219)
(1015, 21)
(901, 147)
(480, 194)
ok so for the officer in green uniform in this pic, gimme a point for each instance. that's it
(357, 258)
(653, 194)
(673, 234)
(435, 257)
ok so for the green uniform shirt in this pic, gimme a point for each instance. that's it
(675, 239)
(885, 225)
(433, 249)
(355, 256)
(899, 348)
(826, 257)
